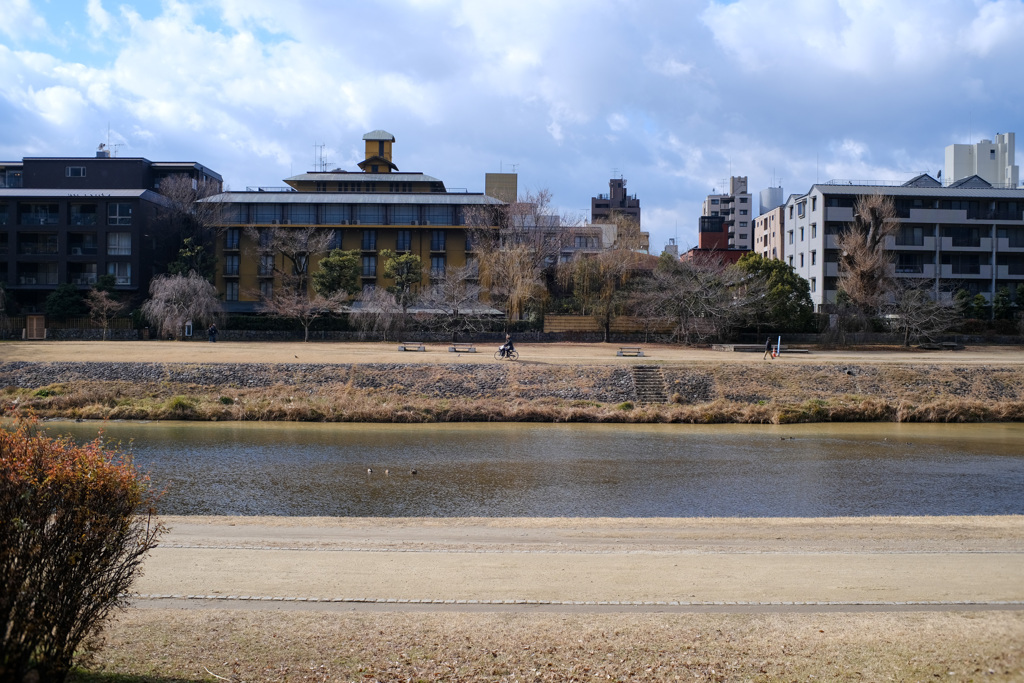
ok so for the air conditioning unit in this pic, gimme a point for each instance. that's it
(354, 223)
(413, 223)
(29, 280)
(426, 222)
(76, 251)
(275, 222)
(286, 222)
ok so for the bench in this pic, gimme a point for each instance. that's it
(630, 351)
(412, 346)
(462, 348)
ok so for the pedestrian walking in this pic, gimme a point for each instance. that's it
(211, 333)
(767, 349)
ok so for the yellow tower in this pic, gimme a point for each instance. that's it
(378, 152)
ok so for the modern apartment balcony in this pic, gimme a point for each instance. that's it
(1003, 272)
(831, 269)
(927, 244)
(984, 245)
(923, 270)
(983, 272)
(937, 216)
(1003, 245)
(842, 214)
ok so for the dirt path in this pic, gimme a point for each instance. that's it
(379, 352)
(591, 564)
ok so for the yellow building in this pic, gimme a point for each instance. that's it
(375, 208)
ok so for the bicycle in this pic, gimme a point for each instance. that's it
(511, 355)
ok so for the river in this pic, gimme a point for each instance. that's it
(545, 470)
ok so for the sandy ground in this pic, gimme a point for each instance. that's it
(845, 560)
(378, 352)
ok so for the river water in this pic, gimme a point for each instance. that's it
(545, 470)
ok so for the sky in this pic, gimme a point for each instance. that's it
(674, 96)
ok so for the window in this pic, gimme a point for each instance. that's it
(910, 236)
(437, 266)
(404, 242)
(791, 237)
(910, 263)
(814, 284)
(743, 200)
(801, 260)
(334, 213)
(231, 291)
(119, 244)
(963, 264)
(965, 236)
(74, 171)
(335, 242)
(814, 203)
(38, 214)
(743, 212)
(266, 239)
(231, 238)
(369, 240)
(437, 240)
(266, 265)
(268, 213)
(800, 208)
(403, 214)
(119, 214)
(370, 213)
(469, 240)
(743, 236)
(801, 234)
(266, 289)
(321, 186)
(369, 266)
(743, 224)
(814, 230)
(438, 215)
(302, 213)
(122, 272)
(231, 265)
(814, 258)
(83, 214)
(790, 261)
(714, 201)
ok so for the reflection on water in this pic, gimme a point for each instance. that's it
(504, 470)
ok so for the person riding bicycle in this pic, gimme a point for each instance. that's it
(507, 347)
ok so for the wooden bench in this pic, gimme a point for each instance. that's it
(412, 346)
(630, 351)
(462, 348)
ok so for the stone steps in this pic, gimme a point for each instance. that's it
(649, 383)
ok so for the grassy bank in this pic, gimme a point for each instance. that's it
(703, 393)
(159, 644)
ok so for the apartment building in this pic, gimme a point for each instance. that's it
(990, 161)
(604, 206)
(67, 220)
(730, 223)
(769, 229)
(378, 207)
(968, 235)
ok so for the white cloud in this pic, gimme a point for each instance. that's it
(60, 105)
(19, 20)
(100, 21)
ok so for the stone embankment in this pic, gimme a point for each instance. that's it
(693, 392)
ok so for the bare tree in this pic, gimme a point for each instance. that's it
(597, 280)
(915, 315)
(296, 244)
(513, 259)
(378, 312)
(453, 302)
(290, 302)
(865, 266)
(699, 299)
(177, 299)
(103, 308)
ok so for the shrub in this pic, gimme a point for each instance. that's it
(75, 523)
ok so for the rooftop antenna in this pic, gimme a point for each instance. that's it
(318, 156)
(514, 166)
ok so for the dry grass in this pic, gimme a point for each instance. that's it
(161, 644)
(746, 398)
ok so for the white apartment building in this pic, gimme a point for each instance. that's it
(969, 235)
(991, 161)
(736, 210)
(769, 233)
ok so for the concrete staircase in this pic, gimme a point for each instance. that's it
(649, 383)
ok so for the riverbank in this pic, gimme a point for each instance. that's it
(567, 383)
(573, 599)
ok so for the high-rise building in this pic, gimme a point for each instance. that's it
(993, 162)
(735, 228)
(68, 220)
